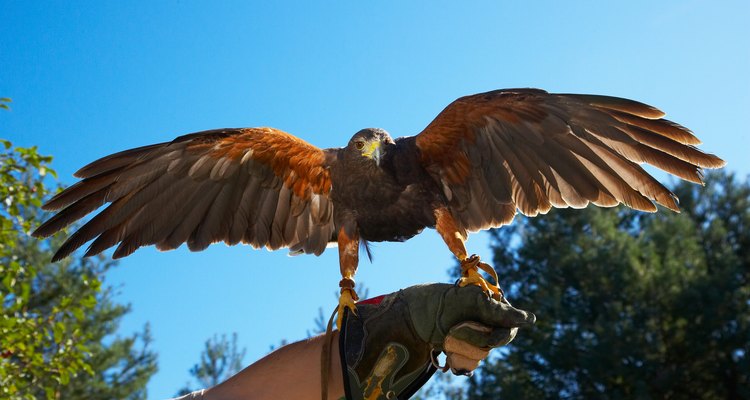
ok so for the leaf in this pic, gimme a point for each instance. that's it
(58, 330)
(55, 317)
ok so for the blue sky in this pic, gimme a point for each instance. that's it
(92, 78)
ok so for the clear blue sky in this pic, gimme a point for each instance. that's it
(92, 78)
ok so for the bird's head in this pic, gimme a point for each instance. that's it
(369, 143)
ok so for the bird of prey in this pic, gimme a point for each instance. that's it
(484, 158)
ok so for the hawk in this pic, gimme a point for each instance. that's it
(484, 158)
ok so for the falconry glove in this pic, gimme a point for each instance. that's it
(389, 348)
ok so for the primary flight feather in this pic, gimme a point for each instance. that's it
(484, 158)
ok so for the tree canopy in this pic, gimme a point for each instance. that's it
(629, 304)
(57, 320)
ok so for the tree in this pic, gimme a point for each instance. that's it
(220, 360)
(57, 321)
(629, 305)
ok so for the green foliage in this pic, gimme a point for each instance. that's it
(40, 340)
(54, 318)
(629, 305)
(220, 360)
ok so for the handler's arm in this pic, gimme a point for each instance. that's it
(291, 372)
(389, 345)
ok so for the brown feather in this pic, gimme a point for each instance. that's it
(213, 223)
(609, 174)
(685, 153)
(116, 161)
(634, 175)
(283, 207)
(76, 192)
(264, 218)
(663, 127)
(200, 188)
(71, 213)
(618, 104)
(557, 150)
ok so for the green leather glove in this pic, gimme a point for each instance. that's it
(389, 349)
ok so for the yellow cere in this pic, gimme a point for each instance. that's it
(370, 148)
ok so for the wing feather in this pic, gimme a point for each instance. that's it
(531, 150)
(259, 186)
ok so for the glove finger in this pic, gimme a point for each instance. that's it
(460, 364)
(453, 345)
(492, 312)
(482, 336)
(515, 316)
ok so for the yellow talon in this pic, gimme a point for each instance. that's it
(470, 276)
(346, 300)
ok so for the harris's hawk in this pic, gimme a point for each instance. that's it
(481, 160)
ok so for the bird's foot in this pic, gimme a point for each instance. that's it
(348, 299)
(470, 276)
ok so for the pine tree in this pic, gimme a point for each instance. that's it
(220, 359)
(629, 305)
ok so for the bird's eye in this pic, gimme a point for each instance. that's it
(359, 145)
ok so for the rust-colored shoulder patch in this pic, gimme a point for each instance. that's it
(299, 164)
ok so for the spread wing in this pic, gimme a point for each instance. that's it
(530, 150)
(259, 186)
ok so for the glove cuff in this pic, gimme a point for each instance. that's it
(400, 369)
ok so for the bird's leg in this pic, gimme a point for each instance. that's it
(470, 265)
(348, 244)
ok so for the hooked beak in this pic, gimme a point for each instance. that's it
(373, 151)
